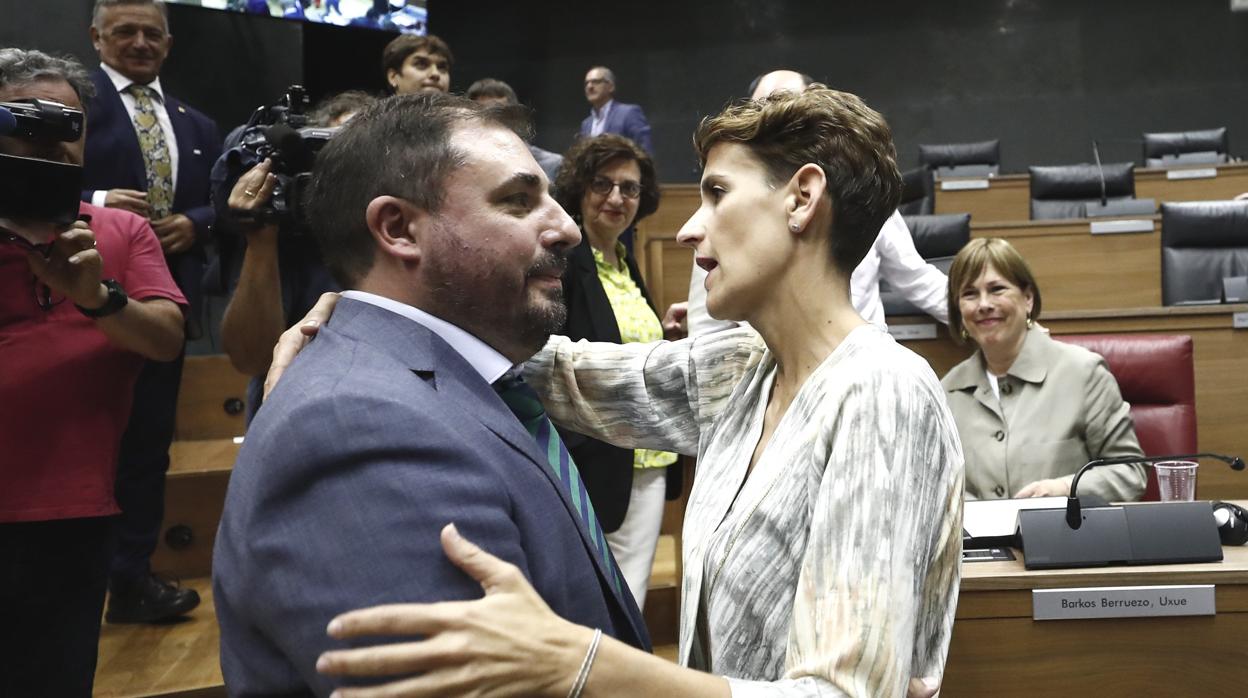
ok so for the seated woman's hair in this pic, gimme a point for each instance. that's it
(582, 162)
(971, 261)
(835, 130)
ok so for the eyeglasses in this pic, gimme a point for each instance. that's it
(603, 186)
(596, 81)
(43, 292)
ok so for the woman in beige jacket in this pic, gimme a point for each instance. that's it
(1030, 410)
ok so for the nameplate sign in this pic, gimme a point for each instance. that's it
(1239, 321)
(1193, 173)
(902, 333)
(962, 184)
(1124, 226)
(1123, 602)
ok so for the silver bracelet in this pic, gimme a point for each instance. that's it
(583, 676)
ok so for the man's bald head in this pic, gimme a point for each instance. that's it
(777, 80)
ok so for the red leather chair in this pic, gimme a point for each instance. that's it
(1155, 375)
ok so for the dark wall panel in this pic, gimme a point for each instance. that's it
(1045, 76)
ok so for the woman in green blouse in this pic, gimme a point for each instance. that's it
(607, 184)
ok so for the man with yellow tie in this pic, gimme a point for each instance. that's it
(149, 153)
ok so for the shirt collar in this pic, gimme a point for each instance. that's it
(121, 82)
(600, 260)
(481, 356)
(601, 112)
(1032, 362)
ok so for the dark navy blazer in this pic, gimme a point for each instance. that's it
(378, 436)
(628, 120)
(113, 161)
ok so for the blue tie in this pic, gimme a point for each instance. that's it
(525, 404)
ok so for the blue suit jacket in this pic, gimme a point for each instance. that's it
(628, 120)
(113, 160)
(378, 436)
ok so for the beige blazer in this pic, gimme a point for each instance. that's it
(1059, 408)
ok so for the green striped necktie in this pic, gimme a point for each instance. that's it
(525, 404)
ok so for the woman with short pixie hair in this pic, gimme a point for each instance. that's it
(822, 538)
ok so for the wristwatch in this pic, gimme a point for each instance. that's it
(117, 300)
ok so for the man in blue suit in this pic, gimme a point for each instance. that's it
(403, 416)
(609, 116)
(148, 153)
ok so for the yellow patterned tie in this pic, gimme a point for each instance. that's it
(156, 158)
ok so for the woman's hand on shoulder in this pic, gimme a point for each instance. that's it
(1056, 487)
(296, 338)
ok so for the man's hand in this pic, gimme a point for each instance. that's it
(676, 321)
(73, 267)
(176, 233)
(128, 200)
(251, 193)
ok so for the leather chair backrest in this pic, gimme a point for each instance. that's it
(1202, 242)
(937, 239)
(954, 154)
(1164, 148)
(1063, 191)
(916, 192)
(1156, 376)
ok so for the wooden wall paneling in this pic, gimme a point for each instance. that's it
(1007, 198)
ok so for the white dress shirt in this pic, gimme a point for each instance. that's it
(892, 257)
(481, 356)
(599, 118)
(121, 82)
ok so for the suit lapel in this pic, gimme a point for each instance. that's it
(601, 316)
(180, 121)
(123, 129)
(423, 352)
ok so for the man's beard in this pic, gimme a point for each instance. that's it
(514, 321)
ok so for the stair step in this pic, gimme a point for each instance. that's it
(177, 659)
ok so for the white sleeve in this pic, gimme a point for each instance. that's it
(658, 395)
(700, 321)
(900, 264)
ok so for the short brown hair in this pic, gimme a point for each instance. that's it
(582, 162)
(399, 146)
(489, 87)
(971, 261)
(404, 45)
(835, 130)
(334, 107)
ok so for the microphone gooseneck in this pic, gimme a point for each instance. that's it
(1074, 513)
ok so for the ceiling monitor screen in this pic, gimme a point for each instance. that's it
(406, 16)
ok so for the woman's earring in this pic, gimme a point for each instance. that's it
(1030, 322)
(965, 335)
(793, 227)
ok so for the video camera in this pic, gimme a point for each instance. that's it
(282, 134)
(31, 188)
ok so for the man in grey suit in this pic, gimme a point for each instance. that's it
(434, 215)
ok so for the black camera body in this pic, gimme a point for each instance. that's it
(34, 189)
(281, 133)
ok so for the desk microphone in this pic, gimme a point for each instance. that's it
(1100, 171)
(1074, 514)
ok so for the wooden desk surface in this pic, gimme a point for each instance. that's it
(1077, 270)
(1008, 197)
